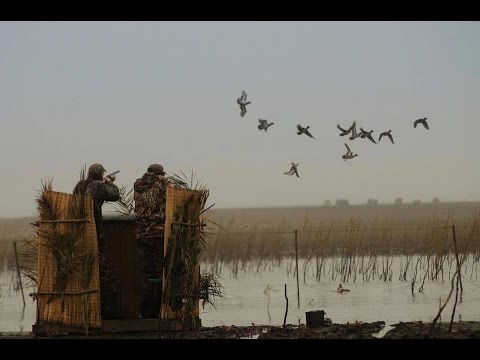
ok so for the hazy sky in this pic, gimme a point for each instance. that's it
(128, 94)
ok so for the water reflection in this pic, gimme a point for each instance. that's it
(246, 300)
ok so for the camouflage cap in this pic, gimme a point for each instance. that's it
(157, 169)
(96, 171)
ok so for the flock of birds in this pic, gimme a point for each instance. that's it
(352, 130)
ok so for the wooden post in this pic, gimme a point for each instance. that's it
(286, 309)
(458, 261)
(454, 307)
(296, 266)
(18, 271)
(439, 307)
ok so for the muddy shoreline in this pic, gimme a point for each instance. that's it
(358, 330)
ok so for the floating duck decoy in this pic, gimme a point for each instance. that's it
(264, 125)
(367, 134)
(242, 101)
(349, 154)
(421, 121)
(341, 290)
(293, 170)
(302, 130)
(386, 133)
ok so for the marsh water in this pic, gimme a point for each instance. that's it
(259, 297)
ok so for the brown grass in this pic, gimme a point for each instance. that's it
(363, 245)
(356, 242)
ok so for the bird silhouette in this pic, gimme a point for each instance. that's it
(386, 133)
(349, 154)
(293, 170)
(367, 134)
(354, 132)
(242, 101)
(421, 121)
(302, 130)
(264, 125)
(347, 131)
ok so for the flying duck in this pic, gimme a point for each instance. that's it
(367, 134)
(293, 170)
(386, 133)
(302, 130)
(242, 101)
(349, 154)
(354, 132)
(346, 132)
(264, 125)
(421, 121)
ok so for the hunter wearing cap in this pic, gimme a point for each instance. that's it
(150, 202)
(101, 189)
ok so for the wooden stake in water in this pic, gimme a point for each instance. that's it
(18, 271)
(286, 308)
(458, 261)
(296, 266)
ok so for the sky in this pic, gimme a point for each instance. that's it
(129, 94)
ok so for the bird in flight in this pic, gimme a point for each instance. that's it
(302, 130)
(421, 121)
(367, 134)
(347, 131)
(242, 101)
(349, 154)
(386, 133)
(293, 170)
(354, 132)
(264, 125)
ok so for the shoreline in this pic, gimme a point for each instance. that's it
(358, 330)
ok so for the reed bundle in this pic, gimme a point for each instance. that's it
(184, 285)
(67, 257)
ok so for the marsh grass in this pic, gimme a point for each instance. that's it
(351, 250)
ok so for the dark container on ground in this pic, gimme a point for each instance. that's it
(315, 318)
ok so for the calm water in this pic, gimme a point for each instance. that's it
(245, 301)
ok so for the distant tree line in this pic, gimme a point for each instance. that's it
(374, 202)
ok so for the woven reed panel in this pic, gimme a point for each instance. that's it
(175, 197)
(72, 313)
(122, 249)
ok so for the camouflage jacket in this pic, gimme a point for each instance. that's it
(100, 192)
(150, 201)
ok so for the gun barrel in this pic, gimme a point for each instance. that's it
(114, 173)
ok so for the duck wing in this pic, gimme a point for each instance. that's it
(342, 130)
(354, 124)
(294, 169)
(243, 111)
(391, 138)
(308, 134)
(349, 152)
(371, 138)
